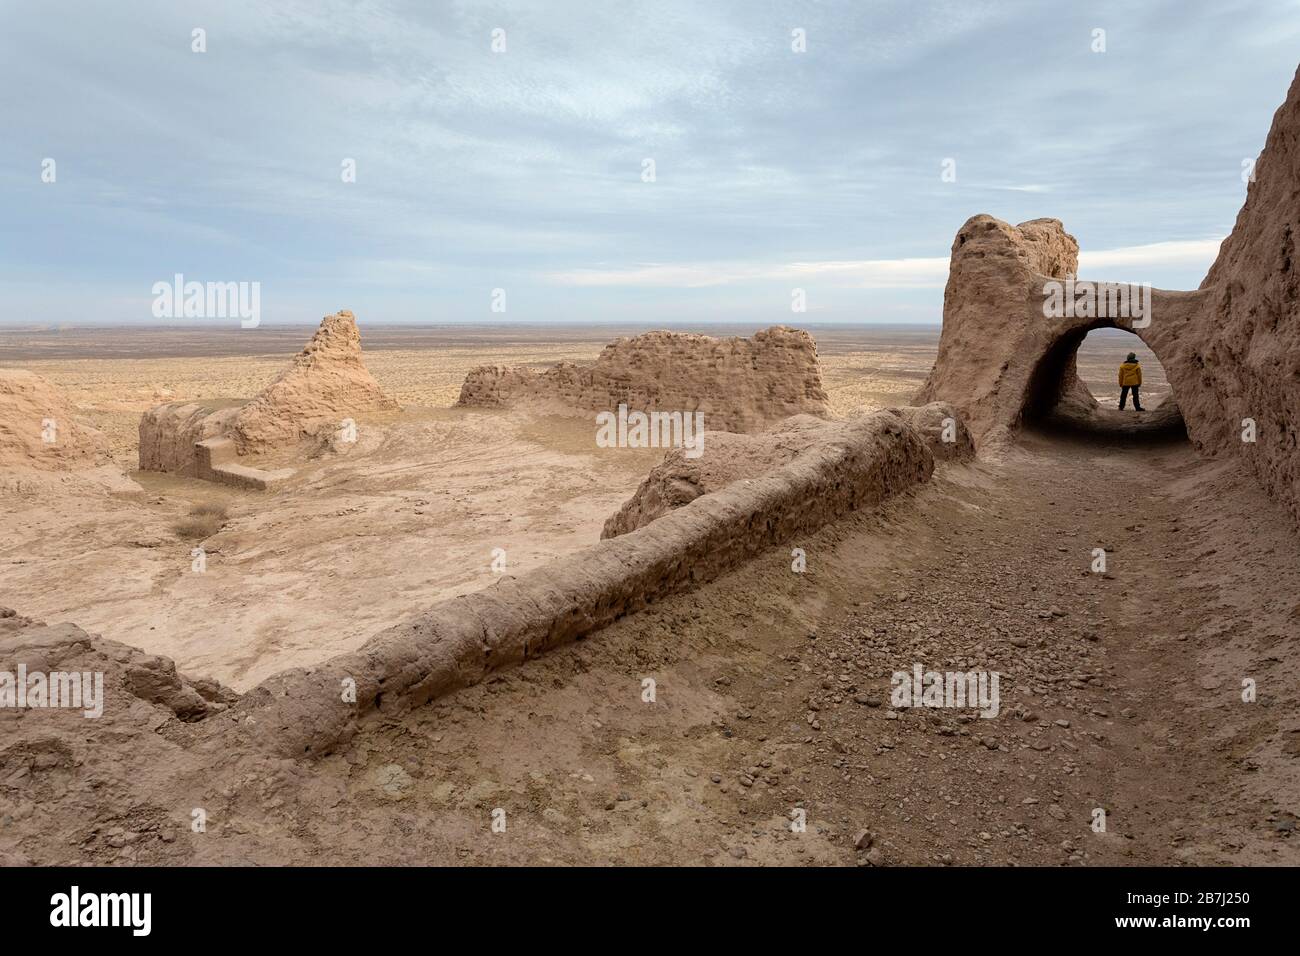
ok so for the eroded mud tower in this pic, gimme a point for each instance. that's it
(325, 382)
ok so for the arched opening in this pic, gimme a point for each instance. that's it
(1075, 388)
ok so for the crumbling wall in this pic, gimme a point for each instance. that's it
(39, 428)
(134, 682)
(1230, 349)
(457, 642)
(170, 432)
(1246, 359)
(946, 435)
(67, 779)
(325, 382)
(679, 479)
(997, 342)
(741, 385)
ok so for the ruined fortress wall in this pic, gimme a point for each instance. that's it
(1230, 349)
(942, 428)
(1247, 357)
(168, 434)
(41, 430)
(997, 343)
(679, 479)
(324, 382)
(459, 641)
(741, 385)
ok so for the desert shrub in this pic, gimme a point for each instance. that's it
(214, 508)
(204, 521)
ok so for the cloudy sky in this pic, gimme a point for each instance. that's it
(525, 169)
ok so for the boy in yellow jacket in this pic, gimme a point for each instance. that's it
(1130, 377)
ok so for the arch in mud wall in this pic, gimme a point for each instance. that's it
(1056, 397)
(1013, 318)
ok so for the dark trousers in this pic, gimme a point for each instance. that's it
(1123, 396)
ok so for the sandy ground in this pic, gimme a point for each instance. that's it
(413, 514)
(1120, 692)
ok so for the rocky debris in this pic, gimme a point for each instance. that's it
(1230, 350)
(324, 383)
(39, 428)
(739, 384)
(1103, 678)
(129, 674)
(944, 785)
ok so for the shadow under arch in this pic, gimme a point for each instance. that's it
(1057, 400)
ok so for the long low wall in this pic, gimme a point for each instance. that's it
(459, 641)
(737, 384)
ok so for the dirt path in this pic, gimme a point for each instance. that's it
(1113, 684)
(1119, 691)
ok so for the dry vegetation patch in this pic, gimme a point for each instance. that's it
(204, 520)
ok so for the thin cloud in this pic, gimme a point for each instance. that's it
(867, 274)
(1181, 253)
(909, 273)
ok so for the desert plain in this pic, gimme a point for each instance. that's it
(414, 517)
(772, 687)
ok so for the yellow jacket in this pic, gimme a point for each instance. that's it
(1130, 373)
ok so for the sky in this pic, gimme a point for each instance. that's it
(506, 146)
